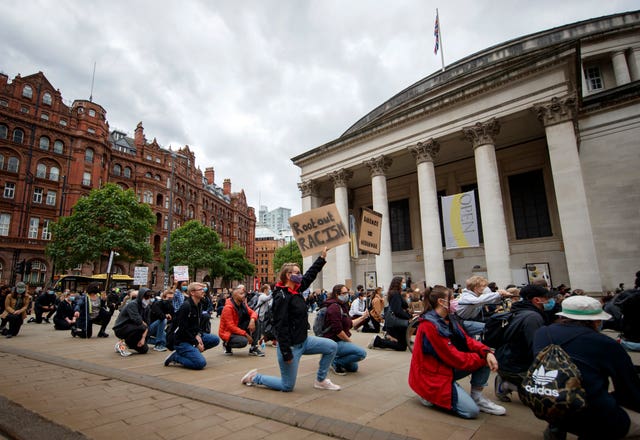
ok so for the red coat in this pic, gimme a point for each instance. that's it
(431, 374)
(229, 320)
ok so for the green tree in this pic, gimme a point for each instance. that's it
(290, 253)
(109, 218)
(236, 265)
(197, 246)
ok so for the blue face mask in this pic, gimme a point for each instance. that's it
(343, 298)
(296, 278)
(206, 289)
(549, 305)
(183, 288)
(404, 286)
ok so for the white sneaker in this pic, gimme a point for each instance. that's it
(247, 379)
(121, 348)
(326, 385)
(486, 405)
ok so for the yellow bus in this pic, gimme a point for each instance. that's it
(78, 283)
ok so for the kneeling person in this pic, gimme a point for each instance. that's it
(132, 324)
(238, 324)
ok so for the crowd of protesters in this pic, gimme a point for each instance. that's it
(448, 344)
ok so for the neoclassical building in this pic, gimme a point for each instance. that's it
(544, 128)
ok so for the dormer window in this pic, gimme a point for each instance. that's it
(27, 92)
(46, 98)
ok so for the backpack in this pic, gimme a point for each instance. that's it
(552, 387)
(319, 328)
(268, 329)
(495, 329)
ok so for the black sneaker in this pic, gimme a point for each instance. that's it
(103, 335)
(227, 349)
(255, 351)
(169, 361)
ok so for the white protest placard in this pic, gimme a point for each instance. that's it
(140, 275)
(181, 273)
(320, 227)
(460, 221)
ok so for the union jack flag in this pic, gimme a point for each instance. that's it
(436, 33)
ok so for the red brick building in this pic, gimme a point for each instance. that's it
(52, 154)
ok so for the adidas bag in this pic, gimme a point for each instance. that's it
(552, 387)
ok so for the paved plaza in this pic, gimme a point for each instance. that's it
(55, 386)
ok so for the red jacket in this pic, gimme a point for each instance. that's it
(431, 373)
(229, 320)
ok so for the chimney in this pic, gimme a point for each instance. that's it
(209, 174)
(139, 139)
(226, 187)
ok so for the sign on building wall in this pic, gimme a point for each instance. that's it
(370, 228)
(320, 227)
(460, 221)
(180, 273)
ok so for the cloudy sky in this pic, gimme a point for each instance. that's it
(250, 84)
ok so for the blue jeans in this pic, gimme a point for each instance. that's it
(189, 356)
(348, 356)
(156, 330)
(629, 345)
(473, 328)
(288, 372)
(465, 407)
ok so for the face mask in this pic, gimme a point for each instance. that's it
(600, 326)
(72, 298)
(146, 302)
(343, 298)
(444, 306)
(183, 288)
(206, 289)
(549, 305)
(404, 286)
(296, 278)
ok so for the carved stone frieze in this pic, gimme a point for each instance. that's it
(559, 109)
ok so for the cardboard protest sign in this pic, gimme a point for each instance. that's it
(181, 273)
(140, 275)
(370, 228)
(320, 227)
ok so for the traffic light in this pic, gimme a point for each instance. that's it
(20, 268)
(27, 267)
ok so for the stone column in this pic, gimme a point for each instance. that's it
(425, 153)
(620, 68)
(378, 167)
(634, 63)
(342, 252)
(494, 228)
(310, 201)
(579, 247)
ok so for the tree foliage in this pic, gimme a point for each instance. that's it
(290, 253)
(197, 246)
(236, 265)
(109, 218)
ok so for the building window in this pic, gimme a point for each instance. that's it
(41, 171)
(529, 205)
(127, 172)
(88, 155)
(46, 98)
(24, 109)
(5, 221)
(13, 164)
(400, 225)
(4, 131)
(27, 92)
(474, 187)
(37, 195)
(91, 130)
(46, 234)
(92, 112)
(18, 136)
(86, 179)
(9, 190)
(54, 174)
(63, 122)
(58, 147)
(44, 116)
(117, 170)
(34, 222)
(148, 197)
(44, 143)
(1, 162)
(594, 78)
(51, 198)
(4, 103)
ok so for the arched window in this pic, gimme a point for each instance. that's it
(88, 155)
(127, 172)
(159, 199)
(44, 143)
(54, 174)
(41, 171)
(117, 170)
(18, 135)
(13, 164)
(148, 175)
(148, 197)
(27, 92)
(46, 98)
(58, 146)
(4, 131)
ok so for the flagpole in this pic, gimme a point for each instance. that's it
(440, 39)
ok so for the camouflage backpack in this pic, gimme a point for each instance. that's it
(552, 387)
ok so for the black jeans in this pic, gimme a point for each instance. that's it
(132, 334)
(39, 311)
(102, 319)
(370, 325)
(15, 322)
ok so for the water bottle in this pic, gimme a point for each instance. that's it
(262, 345)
